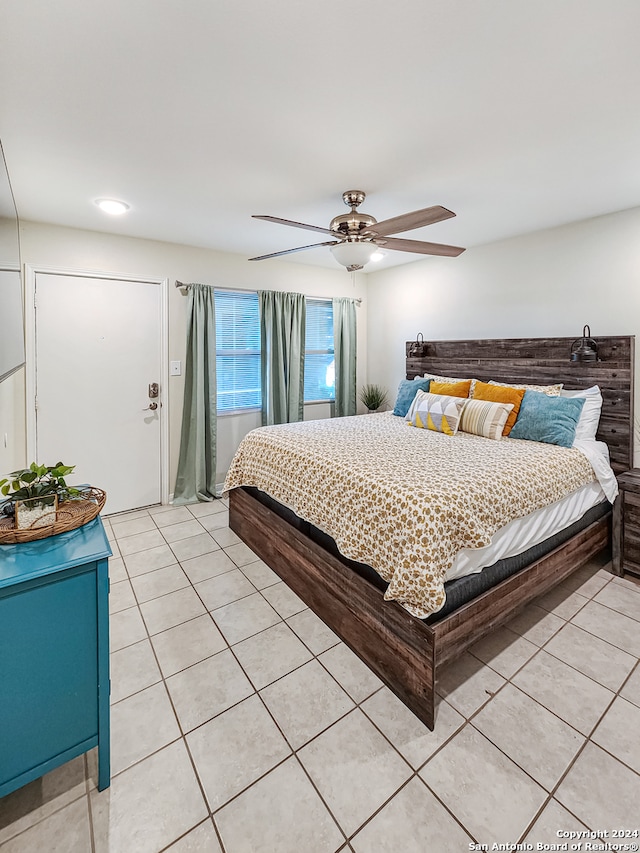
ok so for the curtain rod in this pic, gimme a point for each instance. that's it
(184, 289)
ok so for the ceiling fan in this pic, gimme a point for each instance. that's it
(358, 236)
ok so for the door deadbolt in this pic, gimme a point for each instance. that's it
(154, 390)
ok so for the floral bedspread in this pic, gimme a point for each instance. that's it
(401, 499)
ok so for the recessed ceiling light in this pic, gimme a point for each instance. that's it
(110, 205)
(377, 256)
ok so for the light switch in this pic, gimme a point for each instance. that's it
(175, 368)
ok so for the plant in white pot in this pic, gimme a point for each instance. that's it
(373, 397)
(34, 493)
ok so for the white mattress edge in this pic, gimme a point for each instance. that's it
(523, 533)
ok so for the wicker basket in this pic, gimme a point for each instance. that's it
(71, 514)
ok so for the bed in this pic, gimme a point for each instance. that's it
(405, 650)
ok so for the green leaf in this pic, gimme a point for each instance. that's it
(38, 481)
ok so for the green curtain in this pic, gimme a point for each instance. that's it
(345, 340)
(282, 334)
(196, 479)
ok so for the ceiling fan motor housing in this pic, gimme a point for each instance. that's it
(351, 224)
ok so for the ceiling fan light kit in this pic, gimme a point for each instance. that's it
(353, 255)
(360, 236)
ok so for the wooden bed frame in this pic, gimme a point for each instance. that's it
(403, 651)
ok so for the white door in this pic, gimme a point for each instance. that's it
(98, 347)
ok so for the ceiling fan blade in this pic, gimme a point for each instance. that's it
(420, 248)
(299, 249)
(295, 224)
(409, 221)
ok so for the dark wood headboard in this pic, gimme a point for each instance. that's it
(543, 361)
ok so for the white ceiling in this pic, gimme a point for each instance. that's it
(517, 115)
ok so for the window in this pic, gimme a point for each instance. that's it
(237, 351)
(319, 361)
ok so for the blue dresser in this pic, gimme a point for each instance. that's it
(54, 654)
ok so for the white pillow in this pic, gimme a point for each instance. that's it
(590, 416)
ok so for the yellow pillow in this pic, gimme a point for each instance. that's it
(451, 389)
(501, 394)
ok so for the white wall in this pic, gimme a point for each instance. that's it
(89, 251)
(548, 283)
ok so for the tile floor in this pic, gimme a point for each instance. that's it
(241, 724)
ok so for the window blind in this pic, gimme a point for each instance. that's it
(237, 351)
(319, 362)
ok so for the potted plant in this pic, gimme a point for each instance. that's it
(373, 396)
(34, 494)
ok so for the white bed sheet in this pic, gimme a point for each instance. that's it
(523, 533)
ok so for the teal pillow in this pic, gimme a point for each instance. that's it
(548, 419)
(407, 390)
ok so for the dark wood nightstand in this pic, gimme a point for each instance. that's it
(626, 525)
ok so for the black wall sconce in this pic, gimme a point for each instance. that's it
(418, 348)
(584, 349)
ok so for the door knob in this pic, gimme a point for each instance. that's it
(152, 406)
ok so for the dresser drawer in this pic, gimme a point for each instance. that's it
(631, 549)
(626, 544)
(48, 670)
(632, 507)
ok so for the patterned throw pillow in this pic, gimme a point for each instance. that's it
(501, 394)
(437, 412)
(451, 389)
(549, 390)
(438, 378)
(552, 420)
(434, 377)
(407, 390)
(482, 417)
